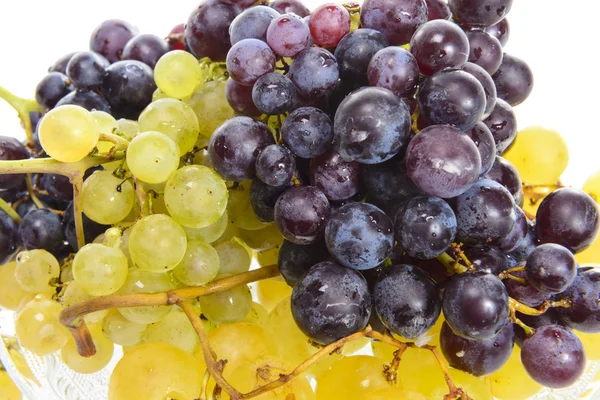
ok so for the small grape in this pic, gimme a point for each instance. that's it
(210, 233)
(100, 270)
(88, 365)
(199, 266)
(239, 208)
(232, 305)
(107, 199)
(234, 257)
(12, 295)
(177, 74)
(38, 328)
(139, 281)
(211, 107)
(35, 270)
(120, 330)
(175, 329)
(270, 292)
(152, 157)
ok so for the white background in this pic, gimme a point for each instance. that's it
(558, 39)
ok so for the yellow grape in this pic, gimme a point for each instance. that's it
(157, 243)
(511, 382)
(355, 345)
(35, 269)
(258, 315)
(157, 95)
(591, 255)
(88, 365)
(199, 266)
(177, 74)
(240, 208)
(12, 295)
(592, 186)
(208, 234)
(539, 154)
(38, 328)
(262, 239)
(121, 330)
(202, 157)
(196, 196)
(107, 199)
(74, 294)
(100, 270)
(8, 389)
(175, 328)
(591, 344)
(267, 257)
(270, 292)
(156, 371)
(394, 393)
(128, 127)
(152, 157)
(175, 119)
(533, 196)
(211, 106)
(231, 231)
(351, 378)
(234, 257)
(232, 305)
(139, 281)
(68, 133)
(106, 124)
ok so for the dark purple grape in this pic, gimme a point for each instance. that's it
(91, 229)
(8, 236)
(146, 48)
(248, 60)
(295, 259)
(275, 165)
(263, 198)
(526, 294)
(239, 98)
(330, 302)
(387, 182)
(395, 69)
(553, 356)
(328, 24)
(486, 258)
(41, 229)
(128, 88)
(425, 227)
(14, 194)
(551, 268)
(483, 139)
(51, 89)
(235, 145)
(252, 24)
(12, 149)
(500, 31)
(288, 35)
(60, 65)
(406, 300)
(442, 161)
(307, 132)
(489, 87)
(396, 19)
(503, 125)
(485, 50)
(550, 317)
(525, 246)
(207, 29)
(290, 7)
(359, 236)
(477, 357)
(315, 73)
(87, 99)
(355, 51)
(301, 214)
(110, 37)
(475, 305)
(438, 45)
(506, 174)
(517, 234)
(25, 207)
(485, 213)
(54, 190)
(87, 69)
(438, 9)
(337, 179)
(240, 3)
(274, 94)
(568, 217)
(479, 13)
(584, 312)
(452, 97)
(514, 80)
(434, 269)
(371, 125)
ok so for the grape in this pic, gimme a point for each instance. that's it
(371, 125)
(207, 29)
(526, 294)
(483, 139)
(146, 48)
(87, 99)
(397, 20)
(274, 94)
(288, 35)
(87, 69)
(40, 229)
(442, 161)
(12, 149)
(271, 292)
(229, 306)
(210, 233)
(60, 65)
(395, 69)
(503, 125)
(354, 52)
(330, 302)
(91, 229)
(485, 50)
(235, 145)
(511, 382)
(500, 31)
(438, 45)
(157, 243)
(336, 178)
(438, 9)
(315, 73)
(294, 260)
(155, 371)
(307, 132)
(301, 214)
(177, 74)
(100, 270)
(88, 365)
(551, 268)
(107, 199)
(12, 295)
(262, 239)
(199, 266)
(106, 124)
(139, 281)
(506, 174)
(120, 330)
(518, 235)
(128, 127)
(252, 24)
(38, 329)
(387, 182)
(74, 294)
(248, 60)
(68, 124)
(35, 269)
(514, 80)
(476, 13)
(239, 98)
(128, 87)
(328, 24)
(452, 97)
(263, 198)
(52, 88)
(152, 157)
(240, 208)
(488, 85)
(362, 375)
(568, 217)
(290, 7)
(475, 305)
(110, 37)
(275, 165)
(174, 329)
(54, 190)
(234, 257)
(553, 356)
(211, 107)
(487, 258)
(425, 227)
(584, 310)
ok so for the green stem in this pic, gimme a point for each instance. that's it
(9, 210)
(523, 309)
(23, 107)
(450, 263)
(119, 142)
(31, 192)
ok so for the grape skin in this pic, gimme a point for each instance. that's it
(315, 73)
(248, 60)
(107, 199)
(307, 132)
(108, 39)
(514, 80)
(489, 87)
(40, 229)
(397, 20)
(584, 312)
(395, 69)
(355, 51)
(100, 270)
(328, 24)
(51, 89)
(503, 125)
(473, 13)
(294, 259)
(338, 179)
(551, 268)
(252, 24)
(288, 35)
(485, 50)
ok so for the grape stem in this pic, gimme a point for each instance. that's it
(9, 210)
(23, 107)
(31, 192)
(452, 265)
(523, 309)
(458, 249)
(145, 205)
(522, 281)
(119, 142)
(391, 371)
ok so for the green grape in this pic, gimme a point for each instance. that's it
(361, 375)
(393, 393)
(100, 270)
(157, 95)
(107, 199)
(128, 127)
(156, 371)
(35, 269)
(157, 243)
(120, 330)
(8, 389)
(211, 233)
(175, 119)
(199, 266)
(592, 186)
(74, 294)
(177, 74)
(231, 231)
(175, 328)
(38, 328)
(202, 158)
(68, 133)
(124, 246)
(106, 124)
(88, 365)
(271, 292)
(196, 196)
(232, 305)
(211, 106)
(240, 208)
(262, 239)
(152, 157)
(139, 281)
(267, 257)
(234, 257)
(258, 315)
(12, 295)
